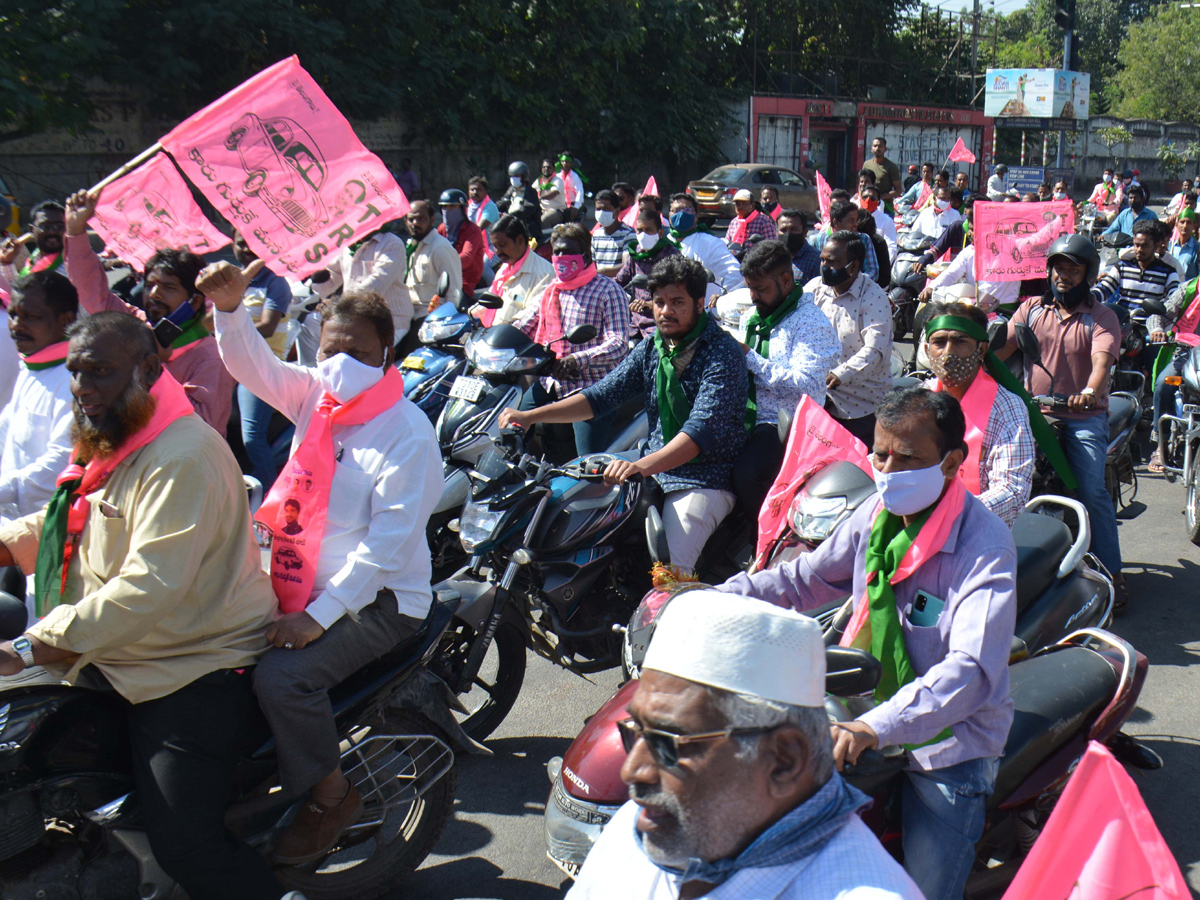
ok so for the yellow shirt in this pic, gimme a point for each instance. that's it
(167, 585)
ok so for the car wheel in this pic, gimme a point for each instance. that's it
(254, 183)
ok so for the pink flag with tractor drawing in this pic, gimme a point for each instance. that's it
(152, 209)
(283, 165)
(1013, 239)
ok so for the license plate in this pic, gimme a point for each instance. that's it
(469, 388)
(416, 363)
(1190, 408)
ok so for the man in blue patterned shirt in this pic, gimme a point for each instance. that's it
(790, 347)
(793, 231)
(692, 375)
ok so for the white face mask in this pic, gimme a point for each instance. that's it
(1059, 195)
(515, 180)
(343, 377)
(942, 205)
(1107, 178)
(907, 493)
(646, 240)
(604, 217)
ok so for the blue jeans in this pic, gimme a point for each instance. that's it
(942, 816)
(1085, 441)
(591, 435)
(1164, 394)
(256, 420)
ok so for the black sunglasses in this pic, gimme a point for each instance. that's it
(664, 745)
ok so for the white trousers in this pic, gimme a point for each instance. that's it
(689, 519)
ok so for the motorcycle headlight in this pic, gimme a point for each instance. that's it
(814, 517)
(572, 827)
(521, 364)
(439, 330)
(477, 524)
(489, 359)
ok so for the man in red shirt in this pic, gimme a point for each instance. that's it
(464, 234)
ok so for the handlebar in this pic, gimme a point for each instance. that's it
(1051, 401)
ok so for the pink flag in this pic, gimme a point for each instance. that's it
(281, 163)
(1100, 842)
(651, 187)
(817, 439)
(960, 153)
(824, 197)
(152, 209)
(1012, 239)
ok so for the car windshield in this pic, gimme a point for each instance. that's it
(726, 175)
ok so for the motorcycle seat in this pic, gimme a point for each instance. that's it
(1054, 695)
(1120, 413)
(1042, 543)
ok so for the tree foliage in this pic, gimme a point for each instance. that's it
(1158, 78)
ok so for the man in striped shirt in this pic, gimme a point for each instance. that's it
(1145, 277)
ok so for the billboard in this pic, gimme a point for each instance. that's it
(1037, 93)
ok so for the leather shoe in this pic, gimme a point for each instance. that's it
(316, 830)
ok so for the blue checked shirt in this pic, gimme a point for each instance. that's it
(806, 265)
(602, 303)
(852, 866)
(608, 250)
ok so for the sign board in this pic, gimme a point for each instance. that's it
(1012, 239)
(1025, 178)
(1031, 124)
(1036, 93)
(1066, 174)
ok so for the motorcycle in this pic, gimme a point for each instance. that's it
(907, 281)
(431, 369)
(1179, 438)
(72, 826)
(1079, 689)
(558, 563)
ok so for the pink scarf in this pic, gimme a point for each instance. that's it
(977, 405)
(1189, 323)
(550, 326)
(305, 481)
(569, 192)
(506, 271)
(740, 226)
(48, 356)
(927, 544)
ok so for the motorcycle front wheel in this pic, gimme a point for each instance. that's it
(1192, 510)
(369, 863)
(498, 682)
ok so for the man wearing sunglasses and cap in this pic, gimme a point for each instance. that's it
(730, 769)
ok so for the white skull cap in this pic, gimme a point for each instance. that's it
(738, 644)
(743, 194)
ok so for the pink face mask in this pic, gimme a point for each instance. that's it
(568, 265)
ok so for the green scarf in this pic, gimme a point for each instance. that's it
(698, 228)
(758, 339)
(48, 577)
(192, 332)
(663, 243)
(1043, 433)
(1166, 352)
(410, 248)
(34, 263)
(674, 407)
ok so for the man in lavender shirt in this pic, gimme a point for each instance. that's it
(958, 643)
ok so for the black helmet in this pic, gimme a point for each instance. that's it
(518, 170)
(1002, 169)
(1077, 249)
(1128, 173)
(452, 197)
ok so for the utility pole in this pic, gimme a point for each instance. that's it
(1064, 18)
(975, 49)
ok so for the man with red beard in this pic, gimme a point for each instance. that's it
(147, 582)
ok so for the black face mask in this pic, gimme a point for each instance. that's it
(769, 207)
(1072, 297)
(833, 277)
(794, 241)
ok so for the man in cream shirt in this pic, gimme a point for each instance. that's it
(429, 255)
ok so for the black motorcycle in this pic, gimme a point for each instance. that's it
(72, 827)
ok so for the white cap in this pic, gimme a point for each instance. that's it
(743, 194)
(739, 644)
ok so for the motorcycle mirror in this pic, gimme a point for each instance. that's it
(1155, 307)
(1028, 343)
(13, 616)
(457, 299)
(708, 274)
(755, 239)
(638, 281)
(997, 335)
(656, 538)
(581, 334)
(443, 284)
(320, 277)
(785, 425)
(489, 301)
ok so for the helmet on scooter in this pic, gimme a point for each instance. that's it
(1077, 249)
(452, 197)
(518, 170)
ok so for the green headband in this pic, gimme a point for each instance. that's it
(1187, 213)
(969, 327)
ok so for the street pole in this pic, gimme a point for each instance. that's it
(1062, 135)
(975, 46)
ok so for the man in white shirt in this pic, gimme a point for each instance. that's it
(377, 264)
(370, 589)
(552, 194)
(937, 216)
(429, 255)
(707, 249)
(572, 184)
(35, 425)
(997, 185)
(522, 275)
(730, 770)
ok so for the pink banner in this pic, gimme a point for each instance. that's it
(1012, 239)
(152, 209)
(960, 153)
(824, 197)
(286, 169)
(1100, 843)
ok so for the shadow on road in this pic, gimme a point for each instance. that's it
(1162, 618)
(500, 785)
(486, 879)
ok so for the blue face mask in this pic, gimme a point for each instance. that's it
(683, 220)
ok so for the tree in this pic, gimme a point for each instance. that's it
(1113, 135)
(1158, 79)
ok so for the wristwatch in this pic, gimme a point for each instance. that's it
(1088, 391)
(24, 649)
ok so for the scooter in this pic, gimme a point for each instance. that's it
(71, 820)
(1079, 689)
(1179, 438)
(431, 369)
(907, 281)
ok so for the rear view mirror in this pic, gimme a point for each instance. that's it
(13, 616)
(443, 284)
(656, 538)
(320, 277)
(457, 299)
(784, 425)
(1155, 307)
(709, 276)
(997, 335)
(1028, 343)
(581, 334)
(489, 301)
(639, 281)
